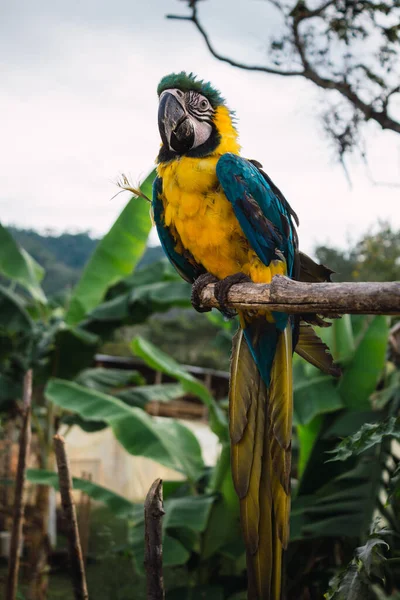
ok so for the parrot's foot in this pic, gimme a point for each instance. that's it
(222, 288)
(197, 288)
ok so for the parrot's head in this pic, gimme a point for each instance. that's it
(193, 118)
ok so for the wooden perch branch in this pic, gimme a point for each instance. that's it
(286, 295)
(19, 504)
(153, 513)
(74, 544)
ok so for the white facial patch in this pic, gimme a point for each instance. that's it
(202, 132)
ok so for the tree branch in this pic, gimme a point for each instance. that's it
(300, 13)
(74, 545)
(153, 513)
(309, 14)
(342, 86)
(195, 20)
(19, 504)
(295, 297)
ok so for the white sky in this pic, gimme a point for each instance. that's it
(78, 106)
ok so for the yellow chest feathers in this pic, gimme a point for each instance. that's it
(198, 214)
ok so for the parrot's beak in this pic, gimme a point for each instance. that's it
(176, 128)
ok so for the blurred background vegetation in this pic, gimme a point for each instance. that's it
(375, 256)
(345, 527)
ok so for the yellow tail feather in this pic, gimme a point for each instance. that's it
(260, 428)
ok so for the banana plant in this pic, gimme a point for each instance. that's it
(59, 342)
(334, 501)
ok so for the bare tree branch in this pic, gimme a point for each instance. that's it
(317, 12)
(342, 86)
(286, 295)
(298, 14)
(19, 503)
(194, 19)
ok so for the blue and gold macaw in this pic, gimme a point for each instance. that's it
(221, 219)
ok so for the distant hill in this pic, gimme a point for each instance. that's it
(64, 256)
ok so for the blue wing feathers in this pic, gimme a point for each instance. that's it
(266, 222)
(262, 216)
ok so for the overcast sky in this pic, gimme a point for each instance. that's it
(78, 106)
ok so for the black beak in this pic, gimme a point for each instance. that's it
(176, 128)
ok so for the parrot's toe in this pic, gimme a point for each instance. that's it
(197, 288)
(222, 290)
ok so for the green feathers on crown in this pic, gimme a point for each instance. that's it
(186, 82)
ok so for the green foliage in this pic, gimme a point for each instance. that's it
(314, 395)
(114, 257)
(154, 288)
(119, 505)
(128, 386)
(374, 257)
(35, 334)
(335, 500)
(74, 350)
(17, 265)
(356, 581)
(368, 436)
(167, 442)
(14, 317)
(365, 368)
(185, 520)
(61, 256)
(189, 337)
(109, 380)
(207, 522)
(162, 362)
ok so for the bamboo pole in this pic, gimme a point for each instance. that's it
(74, 545)
(153, 513)
(19, 501)
(286, 295)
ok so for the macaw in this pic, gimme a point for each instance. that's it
(221, 219)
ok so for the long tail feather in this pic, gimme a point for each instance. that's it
(260, 429)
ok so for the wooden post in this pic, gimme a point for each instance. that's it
(19, 503)
(153, 513)
(84, 518)
(74, 545)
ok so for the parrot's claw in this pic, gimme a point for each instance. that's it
(221, 292)
(198, 286)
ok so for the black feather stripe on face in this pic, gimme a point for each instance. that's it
(194, 105)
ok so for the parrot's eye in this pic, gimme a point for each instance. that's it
(199, 106)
